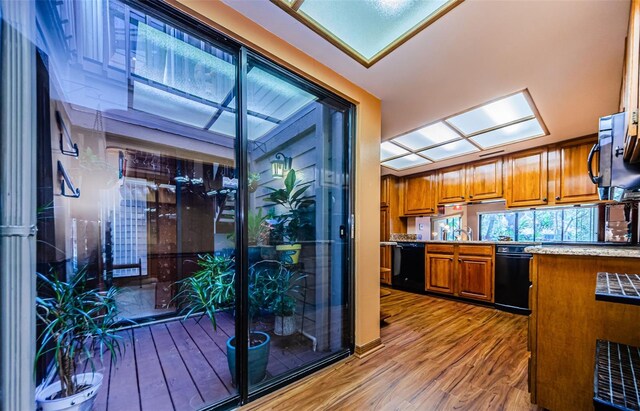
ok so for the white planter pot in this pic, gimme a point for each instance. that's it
(285, 325)
(82, 401)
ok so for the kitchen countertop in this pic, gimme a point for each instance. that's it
(474, 242)
(388, 243)
(593, 251)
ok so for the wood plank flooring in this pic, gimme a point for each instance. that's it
(439, 355)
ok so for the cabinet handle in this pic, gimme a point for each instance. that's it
(459, 260)
(470, 196)
(462, 197)
(544, 199)
(558, 198)
(451, 259)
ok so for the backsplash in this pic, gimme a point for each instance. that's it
(405, 237)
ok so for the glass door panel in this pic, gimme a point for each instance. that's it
(137, 191)
(297, 218)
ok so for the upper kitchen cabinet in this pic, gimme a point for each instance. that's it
(631, 84)
(419, 194)
(451, 185)
(569, 168)
(526, 178)
(484, 179)
(386, 184)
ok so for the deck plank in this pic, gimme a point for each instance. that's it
(123, 386)
(102, 397)
(154, 392)
(183, 389)
(207, 381)
(214, 354)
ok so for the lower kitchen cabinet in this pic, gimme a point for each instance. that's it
(464, 270)
(475, 277)
(439, 273)
(385, 264)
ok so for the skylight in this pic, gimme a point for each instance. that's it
(507, 120)
(367, 30)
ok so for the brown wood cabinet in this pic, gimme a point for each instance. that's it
(390, 221)
(566, 319)
(476, 277)
(386, 183)
(527, 178)
(484, 179)
(630, 91)
(462, 270)
(571, 182)
(439, 274)
(419, 194)
(451, 184)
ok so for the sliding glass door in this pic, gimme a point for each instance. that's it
(203, 192)
(297, 153)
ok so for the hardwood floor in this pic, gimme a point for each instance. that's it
(439, 355)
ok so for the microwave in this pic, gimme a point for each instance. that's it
(617, 180)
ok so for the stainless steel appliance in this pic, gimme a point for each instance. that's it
(408, 267)
(512, 278)
(617, 179)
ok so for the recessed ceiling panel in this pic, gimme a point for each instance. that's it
(510, 134)
(497, 113)
(400, 163)
(453, 149)
(428, 136)
(390, 150)
(367, 30)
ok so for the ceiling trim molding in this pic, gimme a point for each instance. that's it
(293, 11)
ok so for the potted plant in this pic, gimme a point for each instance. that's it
(284, 284)
(257, 234)
(294, 224)
(212, 289)
(77, 322)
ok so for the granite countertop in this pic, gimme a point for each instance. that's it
(474, 242)
(593, 251)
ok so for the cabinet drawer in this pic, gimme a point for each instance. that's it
(440, 248)
(475, 249)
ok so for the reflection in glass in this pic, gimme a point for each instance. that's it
(298, 286)
(141, 99)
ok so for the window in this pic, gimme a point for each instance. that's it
(446, 228)
(570, 224)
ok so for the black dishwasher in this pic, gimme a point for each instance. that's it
(408, 267)
(512, 278)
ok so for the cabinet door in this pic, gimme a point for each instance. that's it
(385, 191)
(451, 185)
(475, 277)
(385, 264)
(484, 179)
(439, 275)
(384, 224)
(419, 196)
(572, 184)
(527, 178)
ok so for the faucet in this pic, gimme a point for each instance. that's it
(468, 232)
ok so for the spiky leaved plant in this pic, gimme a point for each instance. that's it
(76, 320)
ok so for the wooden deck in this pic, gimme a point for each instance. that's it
(180, 365)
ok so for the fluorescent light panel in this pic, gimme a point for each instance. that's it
(510, 134)
(401, 163)
(508, 109)
(389, 150)
(449, 150)
(428, 136)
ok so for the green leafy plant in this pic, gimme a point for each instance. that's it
(257, 228)
(284, 285)
(76, 320)
(295, 223)
(212, 288)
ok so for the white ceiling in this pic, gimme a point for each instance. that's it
(568, 53)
